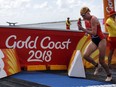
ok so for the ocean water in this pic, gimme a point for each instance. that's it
(58, 25)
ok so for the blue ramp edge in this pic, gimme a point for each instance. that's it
(55, 80)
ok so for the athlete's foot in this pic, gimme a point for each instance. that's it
(109, 78)
(98, 69)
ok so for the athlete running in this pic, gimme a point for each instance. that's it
(98, 41)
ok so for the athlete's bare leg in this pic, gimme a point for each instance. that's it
(88, 51)
(110, 57)
(102, 51)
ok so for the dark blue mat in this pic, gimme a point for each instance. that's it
(55, 80)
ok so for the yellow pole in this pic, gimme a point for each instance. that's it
(108, 6)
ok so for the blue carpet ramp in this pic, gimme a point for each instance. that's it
(55, 80)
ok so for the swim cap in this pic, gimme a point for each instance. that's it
(84, 10)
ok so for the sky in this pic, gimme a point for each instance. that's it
(39, 11)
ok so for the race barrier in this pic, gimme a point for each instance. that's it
(52, 49)
(76, 67)
(9, 63)
(43, 49)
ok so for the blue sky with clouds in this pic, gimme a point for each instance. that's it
(37, 11)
